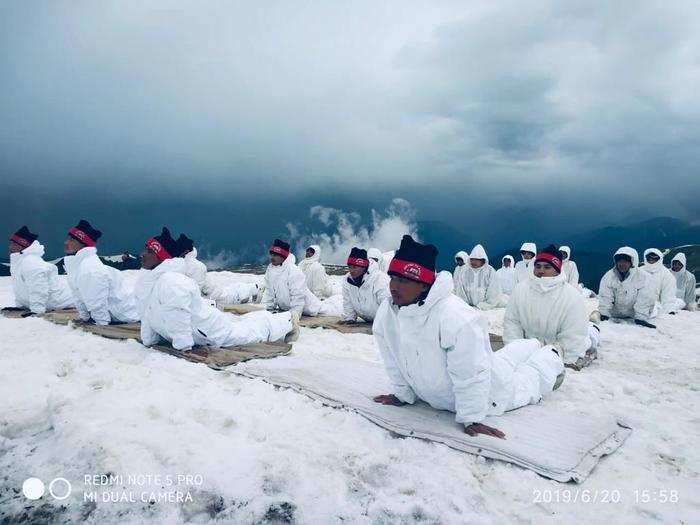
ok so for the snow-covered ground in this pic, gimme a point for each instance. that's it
(74, 405)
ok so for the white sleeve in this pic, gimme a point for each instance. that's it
(605, 296)
(267, 300)
(646, 300)
(176, 304)
(38, 282)
(668, 288)
(149, 337)
(381, 291)
(573, 332)
(469, 368)
(512, 326)
(460, 289)
(297, 291)
(689, 296)
(402, 390)
(573, 277)
(94, 288)
(319, 280)
(493, 293)
(349, 313)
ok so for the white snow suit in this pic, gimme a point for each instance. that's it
(438, 350)
(171, 306)
(628, 297)
(36, 283)
(662, 284)
(285, 289)
(506, 276)
(98, 290)
(569, 269)
(685, 283)
(457, 272)
(552, 311)
(315, 274)
(479, 286)
(197, 271)
(525, 270)
(364, 299)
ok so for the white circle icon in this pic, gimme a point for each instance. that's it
(59, 496)
(33, 488)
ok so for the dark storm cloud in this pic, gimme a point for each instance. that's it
(592, 106)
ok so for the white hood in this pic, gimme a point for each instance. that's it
(478, 252)
(315, 258)
(510, 258)
(374, 253)
(462, 255)
(566, 250)
(658, 265)
(680, 257)
(631, 252)
(35, 248)
(192, 254)
(529, 247)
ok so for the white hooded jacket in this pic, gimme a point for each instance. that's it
(628, 298)
(98, 289)
(171, 306)
(479, 286)
(569, 269)
(36, 283)
(438, 350)
(285, 289)
(662, 284)
(374, 253)
(315, 274)
(506, 276)
(363, 301)
(458, 272)
(525, 270)
(552, 311)
(197, 271)
(385, 261)
(685, 283)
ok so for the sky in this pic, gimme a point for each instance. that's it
(233, 119)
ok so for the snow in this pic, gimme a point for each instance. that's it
(73, 404)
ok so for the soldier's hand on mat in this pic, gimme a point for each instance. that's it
(644, 323)
(389, 399)
(27, 314)
(480, 428)
(671, 313)
(604, 317)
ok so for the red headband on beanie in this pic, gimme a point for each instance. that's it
(279, 251)
(412, 270)
(549, 258)
(356, 261)
(81, 236)
(24, 243)
(157, 248)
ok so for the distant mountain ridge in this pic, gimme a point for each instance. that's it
(592, 250)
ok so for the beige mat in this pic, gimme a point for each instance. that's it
(216, 358)
(559, 443)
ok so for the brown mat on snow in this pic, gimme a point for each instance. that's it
(332, 322)
(240, 309)
(216, 358)
(320, 321)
